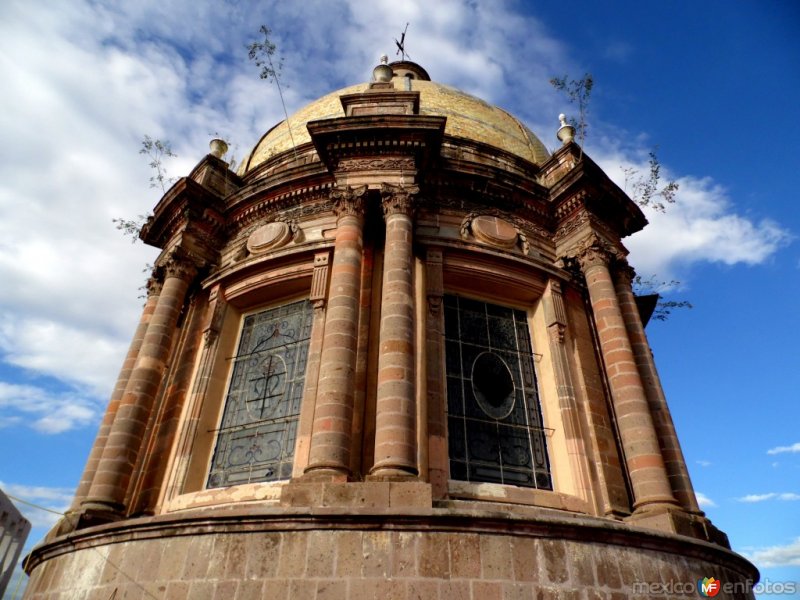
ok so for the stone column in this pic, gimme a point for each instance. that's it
(395, 414)
(114, 470)
(329, 454)
(153, 291)
(645, 464)
(662, 420)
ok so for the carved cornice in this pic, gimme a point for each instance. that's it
(292, 204)
(398, 199)
(387, 163)
(349, 201)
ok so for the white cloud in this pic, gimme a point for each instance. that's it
(786, 496)
(47, 412)
(52, 499)
(776, 556)
(757, 497)
(702, 224)
(704, 463)
(784, 449)
(87, 80)
(704, 500)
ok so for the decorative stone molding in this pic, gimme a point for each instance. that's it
(348, 165)
(154, 285)
(180, 265)
(269, 237)
(594, 250)
(216, 314)
(398, 199)
(434, 280)
(555, 313)
(494, 230)
(349, 201)
(624, 273)
(319, 279)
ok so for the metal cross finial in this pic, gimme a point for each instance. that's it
(401, 45)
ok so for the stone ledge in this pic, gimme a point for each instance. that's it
(369, 494)
(465, 519)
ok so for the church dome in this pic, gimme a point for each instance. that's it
(468, 117)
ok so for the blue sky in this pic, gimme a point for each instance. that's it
(713, 85)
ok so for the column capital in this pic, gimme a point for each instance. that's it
(398, 199)
(592, 251)
(624, 273)
(153, 286)
(349, 201)
(181, 267)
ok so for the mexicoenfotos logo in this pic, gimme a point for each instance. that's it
(708, 586)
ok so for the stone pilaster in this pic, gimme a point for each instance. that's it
(317, 297)
(438, 458)
(115, 468)
(395, 419)
(662, 420)
(556, 319)
(153, 292)
(648, 476)
(331, 437)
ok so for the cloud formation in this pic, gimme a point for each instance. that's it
(88, 79)
(794, 448)
(776, 556)
(753, 498)
(704, 500)
(53, 500)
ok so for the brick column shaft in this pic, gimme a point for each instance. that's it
(119, 457)
(662, 420)
(153, 291)
(396, 415)
(639, 440)
(331, 435)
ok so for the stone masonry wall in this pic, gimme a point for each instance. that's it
(368, 564)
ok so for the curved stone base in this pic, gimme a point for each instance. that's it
(437, 554)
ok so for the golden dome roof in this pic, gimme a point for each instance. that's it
(467, 117)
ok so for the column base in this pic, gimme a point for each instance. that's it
(392, 473)
(675, 520)
(324, 473)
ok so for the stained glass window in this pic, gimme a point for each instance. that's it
(494, 420)
(256, 438)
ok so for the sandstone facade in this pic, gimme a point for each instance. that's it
(399, 359)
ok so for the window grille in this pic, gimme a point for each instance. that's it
(256, 438)
(494, 419)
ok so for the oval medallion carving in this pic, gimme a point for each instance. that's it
(269, 236)
(494, 231)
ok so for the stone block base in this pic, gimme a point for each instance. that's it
(447, 554)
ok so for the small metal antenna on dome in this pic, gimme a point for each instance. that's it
(401, 45)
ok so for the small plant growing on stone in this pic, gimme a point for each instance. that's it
(158, 150)
(647, 191)
(262, 54)
(578, 92)
(651, 285)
